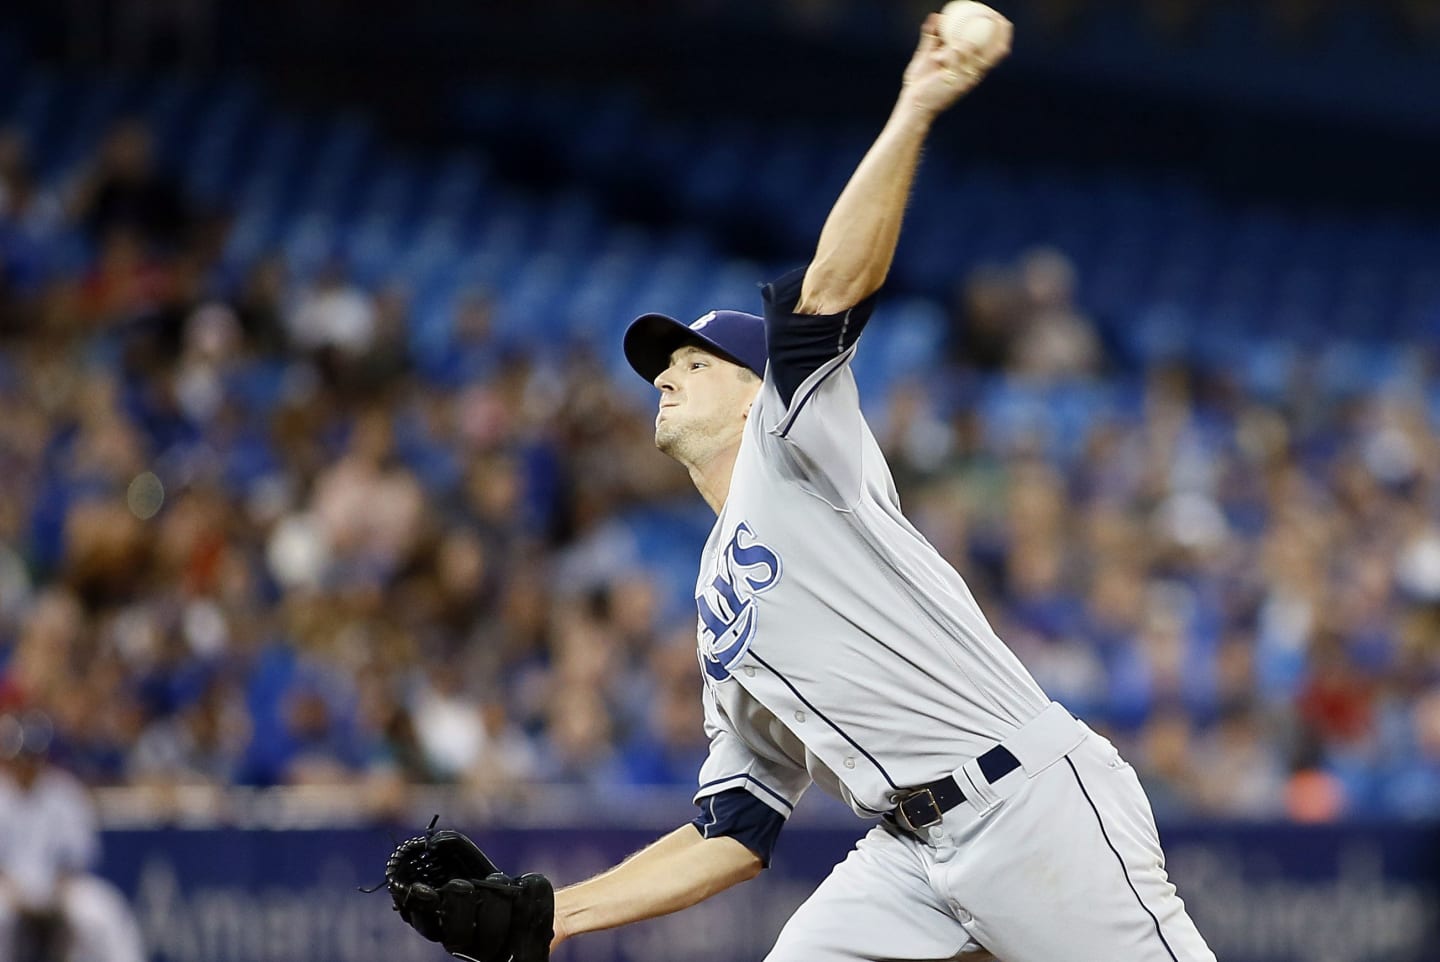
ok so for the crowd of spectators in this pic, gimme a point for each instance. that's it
(246, 540)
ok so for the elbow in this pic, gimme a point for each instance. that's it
(742, 863)
(750, 869)
(826, 291)
(735, 869)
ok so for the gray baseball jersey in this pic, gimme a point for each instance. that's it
(837, 644)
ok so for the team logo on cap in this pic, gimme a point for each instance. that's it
(701, 323)
(728, 619)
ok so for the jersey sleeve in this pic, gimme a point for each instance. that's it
(732, 765)
(798, 345)
(809, 402)
(735, 813)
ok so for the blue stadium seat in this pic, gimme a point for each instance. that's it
(172, 107)
(35, 113)
(457, 188)
(1161, 331)
(221, 148)
(252, 234)
(371, 247)
(329, 176)
(569, 221)
(91, 103)
(528, 310)
(732, 285)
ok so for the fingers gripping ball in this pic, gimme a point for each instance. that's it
(960, 45)
(967, 25)
(446, 889)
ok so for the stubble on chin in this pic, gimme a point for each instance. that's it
(667, 439)
(680, 442)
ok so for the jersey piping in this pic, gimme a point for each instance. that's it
(746, 777)
(827, 370)
(840, 731)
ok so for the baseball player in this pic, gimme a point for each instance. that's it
(837, 647)
(52, 907)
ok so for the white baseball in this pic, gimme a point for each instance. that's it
(965, 24)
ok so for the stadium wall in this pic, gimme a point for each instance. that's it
(1260, 893)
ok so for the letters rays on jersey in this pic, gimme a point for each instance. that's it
(728, 618)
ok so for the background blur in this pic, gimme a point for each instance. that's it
(328, 501)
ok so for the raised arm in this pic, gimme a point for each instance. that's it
(676, 872)
(858, 240)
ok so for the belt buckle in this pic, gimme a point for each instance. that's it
(903, 817)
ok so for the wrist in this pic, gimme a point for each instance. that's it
(913, 113)
(912, 107)
(560, 925)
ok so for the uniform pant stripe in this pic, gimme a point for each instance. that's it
(1123, 870)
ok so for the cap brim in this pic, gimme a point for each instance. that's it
(652, 338)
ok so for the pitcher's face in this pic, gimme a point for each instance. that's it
(704, 400)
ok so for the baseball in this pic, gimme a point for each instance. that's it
(967, 25)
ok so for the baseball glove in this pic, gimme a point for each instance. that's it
(446, 889)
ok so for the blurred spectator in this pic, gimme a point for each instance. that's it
(261, 306)
(1243, 774)
(312, 741)
(1055, 341)
(475, 353)
(580, 747)
(124, 190)
(1313, 793)
(987, 319)
(668, 748)
(31, 219)
(1167, 765)
(373, 372)
(369, 507)
(1336, 701)
(201, 743)
(51, 906)
(332, 314)
(449, 724)
(1413, 789)
(128, 284)
(1024, 320)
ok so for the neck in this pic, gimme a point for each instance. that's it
(712, 477)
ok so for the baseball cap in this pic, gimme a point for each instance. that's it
(734, 335)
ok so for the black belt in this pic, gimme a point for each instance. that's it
(925, 806)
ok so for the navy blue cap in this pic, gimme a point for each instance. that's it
(733, 335)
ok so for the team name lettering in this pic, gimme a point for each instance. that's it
(726, 607)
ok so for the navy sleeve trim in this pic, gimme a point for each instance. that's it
(801, 344)
(742, 776)
(737, 814)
